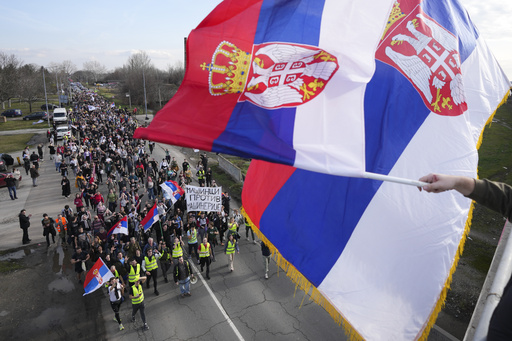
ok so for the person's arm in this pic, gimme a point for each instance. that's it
(496, 196)
(442, 182)
(131, 294)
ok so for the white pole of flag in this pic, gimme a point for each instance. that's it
(381, 177)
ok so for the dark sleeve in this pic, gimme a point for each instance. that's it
(496, 196)
(175, 273)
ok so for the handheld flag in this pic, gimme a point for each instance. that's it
(120, 227)
(388, 251)
(97, 276)
(172, 190)
(150, 218)
(285, 80)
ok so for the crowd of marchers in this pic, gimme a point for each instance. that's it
(106, 175)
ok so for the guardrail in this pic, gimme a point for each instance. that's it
(496, 280)
(230, 168)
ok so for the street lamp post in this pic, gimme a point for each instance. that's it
(46, 98)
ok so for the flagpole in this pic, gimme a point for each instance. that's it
(381, 177)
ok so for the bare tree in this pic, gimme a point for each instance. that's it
(95, 69)
(31, 83)
(137, 68)
(9, 82)
(175, 74)
(68, 67)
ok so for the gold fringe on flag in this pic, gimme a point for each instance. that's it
(303, 283)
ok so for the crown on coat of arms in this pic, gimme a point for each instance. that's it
(227, 73)
(395, 15)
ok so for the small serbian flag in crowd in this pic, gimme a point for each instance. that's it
(97, 277)
(150, 218)
(120, 227)
(172, 190)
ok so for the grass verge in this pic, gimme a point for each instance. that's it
(13, 143)
(20, 124)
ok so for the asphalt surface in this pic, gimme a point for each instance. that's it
(239, 305)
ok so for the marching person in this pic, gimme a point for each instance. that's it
(62, 228)
(116, 296)
(192, 241)
(10, 182)
(229, 250)
(265, 253)
(212, 233)
(165, 259)
(34, 174)
(79, 258)
(48, 228)
(204, 256)
(182, 273)
(150, 267)
(137, 296)
(24, 225)
(177, 250)
(133, 271)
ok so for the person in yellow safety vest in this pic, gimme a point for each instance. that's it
(192, 241)
(177, 250)
(62, 226)
(229, 250)
(232, 228)
(165, 259)
(200, 176)
(205, 251)
(150, 267)
(137, 296)
(133, 271)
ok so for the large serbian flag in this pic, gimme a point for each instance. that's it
(281, 81)
(97, 276)
(379, 256)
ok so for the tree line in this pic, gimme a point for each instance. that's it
(25, 81)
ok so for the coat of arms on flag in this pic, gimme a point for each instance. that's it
(427, 54)
(279, 75)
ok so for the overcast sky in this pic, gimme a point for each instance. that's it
(108, 31)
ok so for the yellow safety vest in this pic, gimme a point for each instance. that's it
(177, 251)
(233, 227)
(200, 175)
(193, 240)
(136, 292)
(151, 265)
(204, 250)
(231, 248)
(134, 275)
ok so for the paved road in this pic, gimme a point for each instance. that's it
(231, 306)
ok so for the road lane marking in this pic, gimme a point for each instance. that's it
(226, 316)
